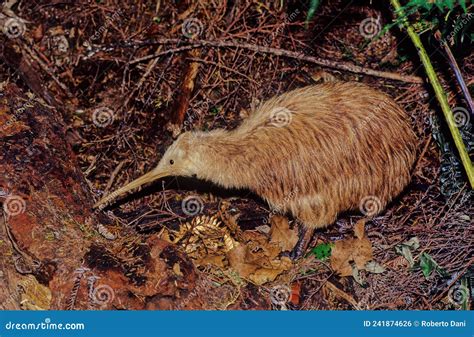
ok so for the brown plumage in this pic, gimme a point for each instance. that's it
(313, 152)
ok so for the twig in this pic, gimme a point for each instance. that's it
(440, 94)
(223, 67)
(345, 66)
(150, 67)
(46, 69)
(158, 54)
(342, 294)
(21, 61)
(422, 154)
(457, 72)
(112, 177)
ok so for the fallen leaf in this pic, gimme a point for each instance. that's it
(428, 264)
(357, 276)
(35, 296)
(281, 233)
(264, 275)
(259, 250)
(238, 262)
(359, 229)
(413, 243)
(374, 267)
(216, 260)
(352, 250)
(253, 255)
(406, 248)
(362, 252)
(406, 253)
(258, 260)
(465, 217)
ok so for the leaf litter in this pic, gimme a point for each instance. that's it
(351, 255)
(256, 257)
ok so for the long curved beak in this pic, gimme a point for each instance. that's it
(146, 178)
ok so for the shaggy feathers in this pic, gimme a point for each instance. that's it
(313, 152)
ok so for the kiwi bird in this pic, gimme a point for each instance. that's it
(313, 152)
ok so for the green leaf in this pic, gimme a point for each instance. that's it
(428, 265)
(313, 6)
(322, 251)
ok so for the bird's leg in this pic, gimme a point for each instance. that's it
(305, 234)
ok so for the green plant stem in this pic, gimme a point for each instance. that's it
(440, 94)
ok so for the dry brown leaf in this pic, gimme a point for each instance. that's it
(359, 229)
(259, 250)
(264, 275)
(281, 234)
(216, 260)
(237, 261)
(35, 296)
(283, 263)
(258, 261)
(253, 255)
(362, 252)
(341, 256)
(353, 250)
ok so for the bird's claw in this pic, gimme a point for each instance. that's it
(305, 237)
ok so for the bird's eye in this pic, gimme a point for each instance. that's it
(171, 161)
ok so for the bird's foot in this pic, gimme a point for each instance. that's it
(305, 237)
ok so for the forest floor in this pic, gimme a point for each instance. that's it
(122, 109)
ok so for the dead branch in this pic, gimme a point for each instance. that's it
(339, 65)
(185, 92)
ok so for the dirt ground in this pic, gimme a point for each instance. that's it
(121, 76)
